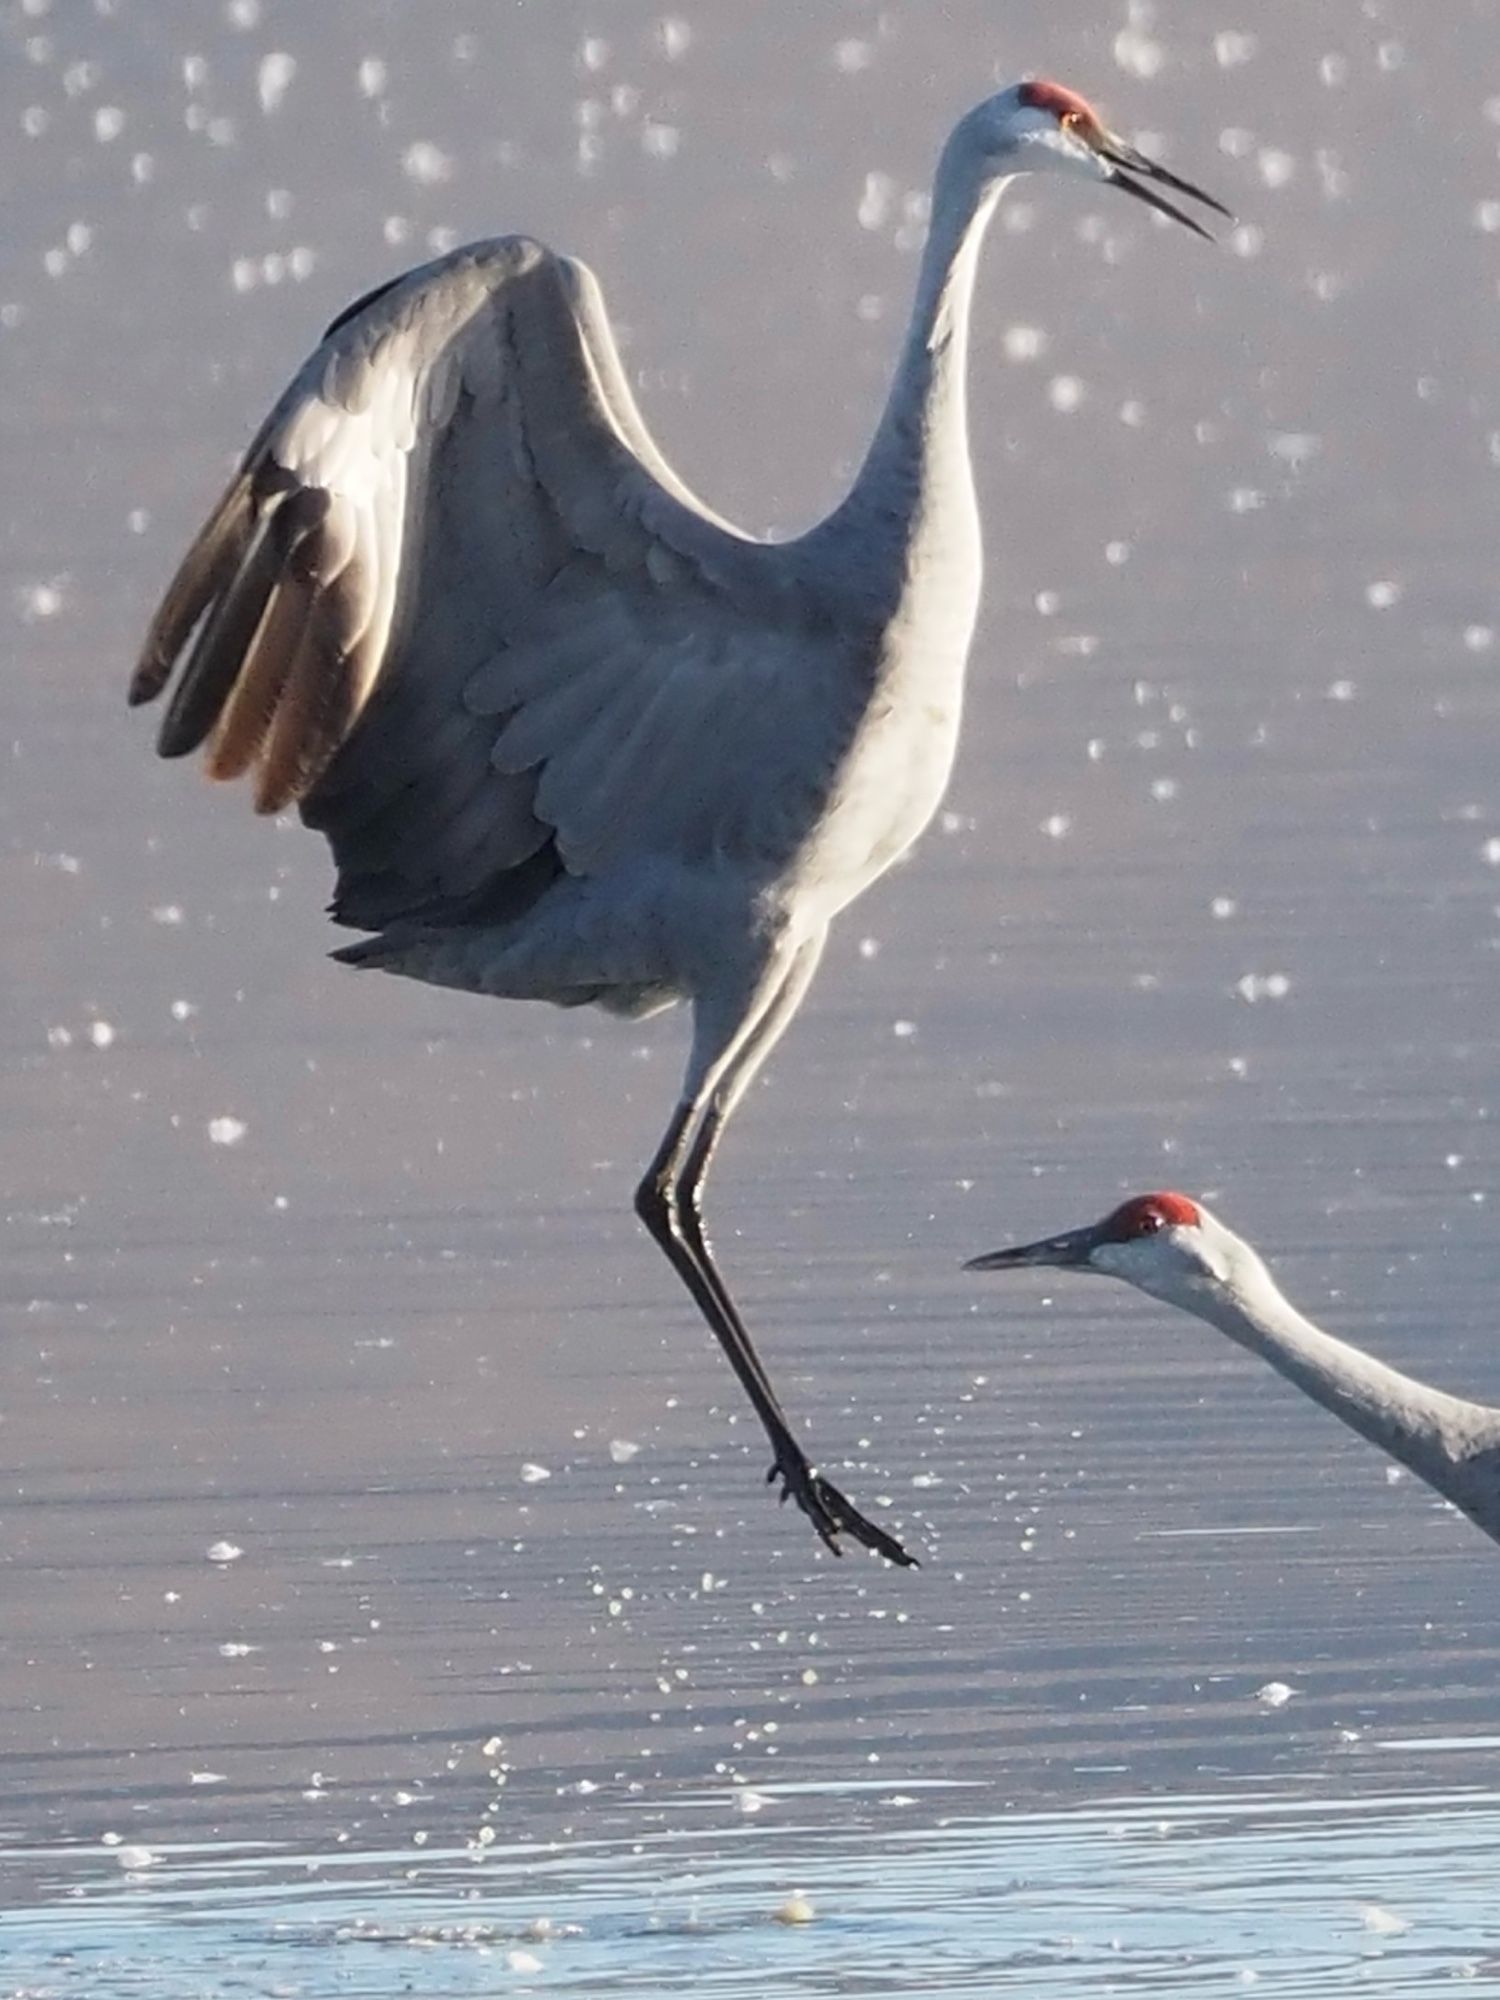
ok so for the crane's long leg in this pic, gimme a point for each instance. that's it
(668, 1201)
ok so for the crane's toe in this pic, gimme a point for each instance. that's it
(832, 1514)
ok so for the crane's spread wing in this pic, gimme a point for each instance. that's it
(456, 605)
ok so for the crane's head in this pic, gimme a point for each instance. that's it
(1163, 1243)
(1040, 127)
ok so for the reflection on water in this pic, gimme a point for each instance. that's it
(1193, 1895)
(340, 1275)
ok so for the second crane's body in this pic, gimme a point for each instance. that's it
(570, 735)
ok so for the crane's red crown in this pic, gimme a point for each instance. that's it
(1042, 95)
(1145, 1214)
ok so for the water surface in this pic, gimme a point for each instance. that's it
(328, 1271)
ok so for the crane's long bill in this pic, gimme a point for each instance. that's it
(1141, 170)
(1068, 1252)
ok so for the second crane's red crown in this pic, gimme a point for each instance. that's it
(1144, 1214)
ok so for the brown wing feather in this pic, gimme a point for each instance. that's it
(204, 572)
(233, 619)
(252, 672)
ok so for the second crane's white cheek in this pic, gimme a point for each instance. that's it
(1167, 1263)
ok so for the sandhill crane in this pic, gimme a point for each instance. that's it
(1171, 1247)
(570, 734)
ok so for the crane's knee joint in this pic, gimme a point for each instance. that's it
(656, 1203)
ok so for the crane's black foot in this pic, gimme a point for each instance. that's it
(830, 1513)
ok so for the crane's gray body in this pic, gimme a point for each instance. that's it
(719, 742)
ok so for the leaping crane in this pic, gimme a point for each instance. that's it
(571, 735)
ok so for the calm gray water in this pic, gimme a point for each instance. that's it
(308, 1279)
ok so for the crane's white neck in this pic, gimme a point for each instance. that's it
(1423, 1427)
(914, 497)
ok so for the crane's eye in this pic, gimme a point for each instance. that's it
(1150, 1220)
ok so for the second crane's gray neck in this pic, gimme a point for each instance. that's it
(912, 506)
(1425, 1428)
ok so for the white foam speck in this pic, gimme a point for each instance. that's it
(797, 1909)
(1295, 448)
(1275, 1694)
(875, 201)
(1232, 47)
(274, 78)
(1066, 394)
(35, 601)
(227, 1131)
(1382, 1922)
(1257, 986)
(426, 163)
(1137, 54)
(660, 142)
(1023, 343)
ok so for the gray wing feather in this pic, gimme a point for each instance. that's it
(457, 606)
